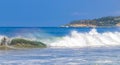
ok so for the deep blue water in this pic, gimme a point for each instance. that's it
(55, 31)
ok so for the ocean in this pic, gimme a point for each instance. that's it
(65, 46)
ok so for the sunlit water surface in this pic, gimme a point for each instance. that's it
(61, 56)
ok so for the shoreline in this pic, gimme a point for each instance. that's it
(18, 48)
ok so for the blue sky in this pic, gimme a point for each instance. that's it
(45, 13)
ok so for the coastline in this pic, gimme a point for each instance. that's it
(69, 26)
(97, 22)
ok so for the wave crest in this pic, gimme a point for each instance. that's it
(90, 39)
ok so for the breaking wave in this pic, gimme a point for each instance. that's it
(75, 39)
(90, 39)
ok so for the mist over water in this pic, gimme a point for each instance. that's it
(88, 39)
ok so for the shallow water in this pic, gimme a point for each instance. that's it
(61, 56)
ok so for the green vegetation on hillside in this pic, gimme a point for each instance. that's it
(104, 21)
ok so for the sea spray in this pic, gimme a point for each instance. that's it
(90, 39)
(77, 38)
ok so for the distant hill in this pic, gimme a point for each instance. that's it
(99, 22)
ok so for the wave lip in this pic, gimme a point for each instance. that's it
(90, 39)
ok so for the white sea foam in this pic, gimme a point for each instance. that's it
(92, 39)
(1, 38)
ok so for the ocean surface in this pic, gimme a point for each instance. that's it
(65, 46)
